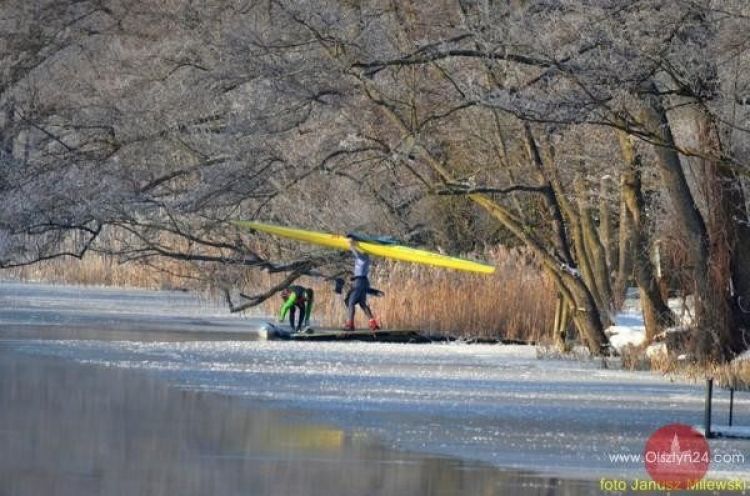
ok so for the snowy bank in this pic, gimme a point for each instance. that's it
(629, 328)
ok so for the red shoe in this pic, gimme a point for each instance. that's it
(349, 326)
(374, 326)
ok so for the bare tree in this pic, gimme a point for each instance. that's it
(160, 123)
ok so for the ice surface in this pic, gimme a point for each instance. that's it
(495, 403)
(24, 305)
(500, 404)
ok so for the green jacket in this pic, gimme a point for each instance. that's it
(287, 305)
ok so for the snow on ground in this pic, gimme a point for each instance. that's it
(629, 328)
(744, 356)
(626, 332)
(499, 404)
(738, 431)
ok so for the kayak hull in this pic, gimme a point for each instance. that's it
(395, 252)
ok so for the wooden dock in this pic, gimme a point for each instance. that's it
(273, 332)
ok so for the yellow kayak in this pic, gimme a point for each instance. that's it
(395, 252)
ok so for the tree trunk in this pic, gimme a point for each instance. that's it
(595, 253)
(582, 254)
(656, 314)
(729, 231)
(559, 332)
(712, 337)
(560, 238)
(625, 246)
(562, 320)
(740, 262)
(562, 330)
(605, 225)
(586, 315)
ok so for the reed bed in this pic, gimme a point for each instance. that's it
(516, 302)
(97, 269)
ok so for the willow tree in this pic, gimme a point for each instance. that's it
(191, 114)
(411, 113)
(429, 71)
(125, 129)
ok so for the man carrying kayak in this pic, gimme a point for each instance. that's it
(360, 285)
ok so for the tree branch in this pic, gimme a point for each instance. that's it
(462, 189)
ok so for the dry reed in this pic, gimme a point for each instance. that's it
(97, 269)
(517, 302)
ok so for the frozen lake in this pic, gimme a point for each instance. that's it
(478, 406)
